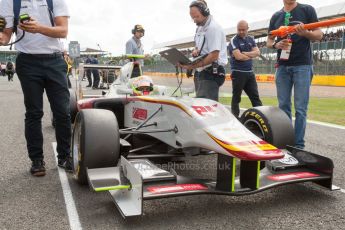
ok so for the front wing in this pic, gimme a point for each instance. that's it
(134, 181)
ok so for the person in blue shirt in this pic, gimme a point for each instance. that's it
(88, 72)
(242, 49)
(134, 45)
(294, 71)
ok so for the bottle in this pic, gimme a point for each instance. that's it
(285, 54)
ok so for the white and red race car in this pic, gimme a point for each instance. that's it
(117, 136)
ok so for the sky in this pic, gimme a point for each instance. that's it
(107, 24)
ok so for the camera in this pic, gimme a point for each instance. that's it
(24, 18)
(215, 67)
(189, 73)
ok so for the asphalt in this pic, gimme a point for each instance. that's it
(27, 202)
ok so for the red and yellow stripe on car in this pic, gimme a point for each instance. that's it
(161, 101)
(250, 150)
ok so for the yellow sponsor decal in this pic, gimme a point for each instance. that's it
(239, 148)
(117, 187)
(259, 119)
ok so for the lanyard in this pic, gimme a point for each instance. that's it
(287, 18)
(203, 42)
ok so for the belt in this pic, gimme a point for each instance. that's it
(203, 68)
(208, 68)
(52, 55)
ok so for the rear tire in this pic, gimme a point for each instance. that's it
(271, 124)
(95, 142)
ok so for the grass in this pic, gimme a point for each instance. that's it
(330, 110)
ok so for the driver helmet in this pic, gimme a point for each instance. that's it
(142, 85)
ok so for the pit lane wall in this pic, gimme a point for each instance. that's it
(325, 80)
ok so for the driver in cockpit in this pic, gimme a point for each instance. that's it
(141, 86)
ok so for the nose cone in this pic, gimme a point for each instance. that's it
(250, 150)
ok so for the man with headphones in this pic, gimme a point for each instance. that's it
(209, 40)
(134, 45)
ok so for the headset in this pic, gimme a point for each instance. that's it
(138, 28)
(202, 6)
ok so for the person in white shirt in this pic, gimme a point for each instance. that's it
(210, 41)
(40, 67)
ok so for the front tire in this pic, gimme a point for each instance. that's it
(95, 142)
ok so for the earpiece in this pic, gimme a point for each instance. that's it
(204, 10)
(138, 28)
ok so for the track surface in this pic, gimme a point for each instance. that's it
(27, 202)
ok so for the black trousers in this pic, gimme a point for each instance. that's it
(243, 81)
(37, 74)
(96, 78)
(88, 75)
(10, 75)
(207, 84)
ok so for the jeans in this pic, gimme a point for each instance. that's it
(37, 74)
(243, 81)
(299, 78)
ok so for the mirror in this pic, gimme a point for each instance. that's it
(124, 91)
(187, 90)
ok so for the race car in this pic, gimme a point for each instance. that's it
(118, 136)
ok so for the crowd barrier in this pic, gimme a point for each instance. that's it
(324, 80)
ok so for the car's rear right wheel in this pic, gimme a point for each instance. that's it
(270, 124)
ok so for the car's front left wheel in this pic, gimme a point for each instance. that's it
(95, 142)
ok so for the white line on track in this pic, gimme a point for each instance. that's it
(316, 122)
(72, 213)
(326, 124)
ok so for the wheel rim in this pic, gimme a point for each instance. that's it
(76, 147)
(255, 128)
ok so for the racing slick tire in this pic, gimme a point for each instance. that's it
(271, 124)
(95, 142)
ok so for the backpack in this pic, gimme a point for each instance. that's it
(16, 10)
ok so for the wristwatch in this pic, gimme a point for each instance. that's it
(274, 45)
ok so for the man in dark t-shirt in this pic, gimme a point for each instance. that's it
(294, 61)
(242, 51)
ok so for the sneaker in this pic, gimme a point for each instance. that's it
(37, 168)
(65, 163)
